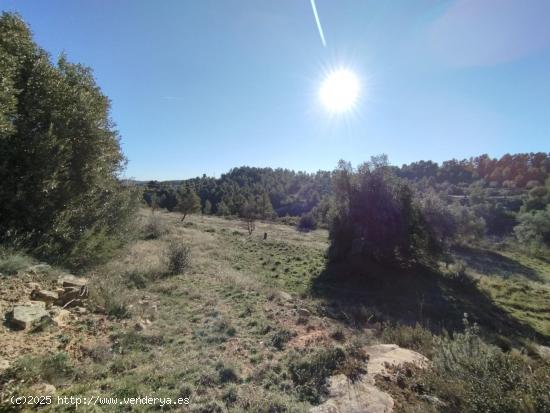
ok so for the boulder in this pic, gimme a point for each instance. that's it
(69, 280)
(360, 396)
(26, 316)
(73, 295)
(44, 295)
(384, 356)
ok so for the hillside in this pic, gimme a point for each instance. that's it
(231, 331)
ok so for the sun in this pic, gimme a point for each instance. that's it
(339, 91)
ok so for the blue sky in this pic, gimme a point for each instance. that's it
(203, 86)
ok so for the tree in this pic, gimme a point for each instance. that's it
(61, 155)
(249, 213)
(188, 202)
(222, 209)
(207, 209)
(377, 217)
(533, 229)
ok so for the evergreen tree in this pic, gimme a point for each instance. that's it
(61, 155)
(207, 209)
(188, 202)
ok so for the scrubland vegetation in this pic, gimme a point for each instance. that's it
(249, 292)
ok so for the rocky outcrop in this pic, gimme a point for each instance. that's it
(27, 316)
(362, 395)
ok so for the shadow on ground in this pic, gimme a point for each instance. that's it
(492, 263)
(419, 295)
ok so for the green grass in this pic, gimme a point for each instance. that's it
(221, 334)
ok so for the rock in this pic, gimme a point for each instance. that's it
(72, 294)
(44, 295)
(69, 280)
(304, 312)
(383, 356)
(43, 389)
(26, 316)
(60, 316)
(360, 396)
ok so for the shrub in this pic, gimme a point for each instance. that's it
(154, 228)
(178, 257)
(310, 371)
(55, 369)
(280, 338)
(227, 373)
(11, 261)
(107, 293)
(533, 230)
(415, 338)
(307, 222)
(473, 376)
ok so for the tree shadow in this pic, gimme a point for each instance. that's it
(492, 263)
(420, 295)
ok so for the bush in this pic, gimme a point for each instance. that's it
(107, 293)
(472, 376)
(154, 228)
(533, 230)
(310, 371)
(11, 262)
(280, 338)
(415, 338)
(55, 369)
(307, 222)
(178, 257)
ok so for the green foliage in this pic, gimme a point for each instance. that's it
(310, 371)
(207, 209)
(188, 202)
(280, 338)
(473, 376)
(307, 222)
(60, 156)
(109, 295)
(178, 257)
(533, 230)
(154, 227)
(54, 369)
(11, 261)
(415, 338)
(377, 217)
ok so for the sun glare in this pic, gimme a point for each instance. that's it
(339, 91)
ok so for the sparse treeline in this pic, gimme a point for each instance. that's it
(60, 195)
(495, 197)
